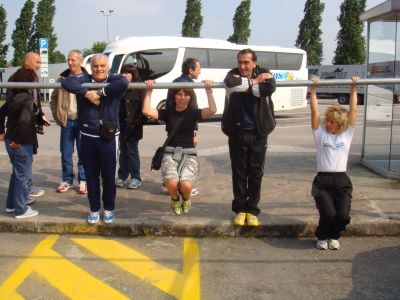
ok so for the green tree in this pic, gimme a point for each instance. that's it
(241, 23)
(97, 47)
(3, 28)
(42, 27)
(350, 47)
(309, 37)
(193, 21)
(58, 57)
(20, 35)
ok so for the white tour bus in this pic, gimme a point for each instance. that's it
(160, 58)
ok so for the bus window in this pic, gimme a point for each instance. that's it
(116, 63)
(222, 59)
(198, 53)
(289, 61)
(130, 59)
(154, 64)
(266, 60)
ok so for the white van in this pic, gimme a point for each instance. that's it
(161, 57)
(340, 92)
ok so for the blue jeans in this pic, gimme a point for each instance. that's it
(21, 160)
(129, 161)
(70, 134)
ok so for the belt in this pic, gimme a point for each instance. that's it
(179, 151)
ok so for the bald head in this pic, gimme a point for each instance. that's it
(32, 61)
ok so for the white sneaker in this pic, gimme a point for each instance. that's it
(82, 187)
(333, 244)
(30, 200)
(322, 244)
(134, 184)
(28, 213)
(63, 187)
(119, 182)
(36, 193)
(194, 192)
(108, 216)
(93, 217)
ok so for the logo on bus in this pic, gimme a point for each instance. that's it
(283, 75)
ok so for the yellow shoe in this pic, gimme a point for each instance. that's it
(176, 207)
(252, 220)
(240, 219)
(186, 206)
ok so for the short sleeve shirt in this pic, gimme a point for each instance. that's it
(332, 149)
(184, 135)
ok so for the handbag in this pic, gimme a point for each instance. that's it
(157, 157)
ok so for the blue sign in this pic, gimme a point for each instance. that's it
(43, 43)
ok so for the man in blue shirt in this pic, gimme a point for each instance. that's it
(96, 109)
(190, 71)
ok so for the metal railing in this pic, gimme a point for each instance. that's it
(195, 85)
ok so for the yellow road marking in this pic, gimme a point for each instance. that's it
(69, 279)
(185, 285)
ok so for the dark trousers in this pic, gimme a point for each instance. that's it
(332, 194)
(129, 160)
(99, 159)
(247, 153)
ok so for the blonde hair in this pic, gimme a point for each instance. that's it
(339, 115)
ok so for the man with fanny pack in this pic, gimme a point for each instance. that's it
(98, 112)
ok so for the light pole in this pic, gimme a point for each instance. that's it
(107, 15)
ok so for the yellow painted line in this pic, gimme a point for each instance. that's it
(69, 279)
(185, 285)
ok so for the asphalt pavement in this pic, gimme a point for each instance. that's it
(287, 208)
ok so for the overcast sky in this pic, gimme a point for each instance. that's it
(79, 23)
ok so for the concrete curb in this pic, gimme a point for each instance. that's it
(222, 229)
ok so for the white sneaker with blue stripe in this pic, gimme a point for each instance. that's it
(109, 216)
(93, 217)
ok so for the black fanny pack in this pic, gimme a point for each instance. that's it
(107, 130)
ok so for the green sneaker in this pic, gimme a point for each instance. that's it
(176, 207)
(186, 205)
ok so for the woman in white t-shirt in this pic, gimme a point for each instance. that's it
(332, 188)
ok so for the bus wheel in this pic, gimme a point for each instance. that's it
(343, 99)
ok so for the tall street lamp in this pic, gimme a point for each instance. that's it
(107, 14)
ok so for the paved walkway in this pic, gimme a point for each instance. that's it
(288, 210)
